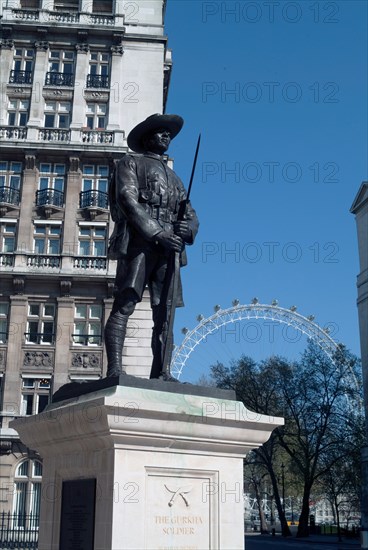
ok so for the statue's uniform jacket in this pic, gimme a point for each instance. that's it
(144, 195)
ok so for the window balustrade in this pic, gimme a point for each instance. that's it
(52, 197)
(97, 81)
(92, 198)
(59, 79)
(20, 77)
(9, 195)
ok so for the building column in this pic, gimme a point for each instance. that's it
(79, 104)
(70, 240)
(36, 112)
(25, 230)
(6, 60)
(65, 321)
(115, 98)
(15, 356)
(86, 6)
(46, 5)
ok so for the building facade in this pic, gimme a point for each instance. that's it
(77, 76)
(360, 210)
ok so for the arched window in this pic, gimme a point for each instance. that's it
(27, 494)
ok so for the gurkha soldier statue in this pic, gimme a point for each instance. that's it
(146, 198)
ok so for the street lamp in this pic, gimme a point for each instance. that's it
(283, 486)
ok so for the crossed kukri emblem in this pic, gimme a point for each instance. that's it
(180, 492)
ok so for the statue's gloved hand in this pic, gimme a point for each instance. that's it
(183, 230)
(170, 241)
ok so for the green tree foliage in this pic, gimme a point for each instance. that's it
(320, 401)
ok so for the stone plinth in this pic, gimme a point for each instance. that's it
(166, 468)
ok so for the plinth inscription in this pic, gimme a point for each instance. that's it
(180, 514)
(77, 514)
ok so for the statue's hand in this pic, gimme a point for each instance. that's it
(170, 241)
(183, 230)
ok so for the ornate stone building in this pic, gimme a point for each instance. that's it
(77, 75)
(360, 210)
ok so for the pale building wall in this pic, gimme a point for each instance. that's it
(134, 38)
(360, 209)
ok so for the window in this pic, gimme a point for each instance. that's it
(35, 395)
(57, 114)
(27, 494)
(52, 176)
(40, 323)
(18, 112)
(47, 239)
(92, 241)
(68, 5)
(30, 4)
(10, 178)
(94, 186)
(4, 309)
(10, 174)
(98, 70)
(7, 241)
(61, 68)
(96, 116)
(22, 66)
(87, 325)
(51, 185)
(102, 6)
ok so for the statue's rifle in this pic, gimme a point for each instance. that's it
(174, 276)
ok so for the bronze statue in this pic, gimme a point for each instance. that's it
(150, 234)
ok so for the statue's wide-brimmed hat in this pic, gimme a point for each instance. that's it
(173, 123)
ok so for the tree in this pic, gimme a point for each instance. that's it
(256, 386)
(314, 395)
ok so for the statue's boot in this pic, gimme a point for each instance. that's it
(159, 338)
(115, 331)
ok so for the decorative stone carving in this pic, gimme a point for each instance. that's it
(82, 47)
(7, 43)
(30, 162)
(118, 50)
(18, 285)
(42, 45)
(117, 37)
(38, 359)
(86, 360)
(74, 163)
(50, 93)
(65, 287)
(96, 96)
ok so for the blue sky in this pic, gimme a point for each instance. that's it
(278, 90)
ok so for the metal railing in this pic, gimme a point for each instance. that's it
(59, 79)
(87, 339)
(93, 198)
(39, 337)
(20, 77)
(97, 81)
(19, 531)
(9, 195)
(49, 196)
